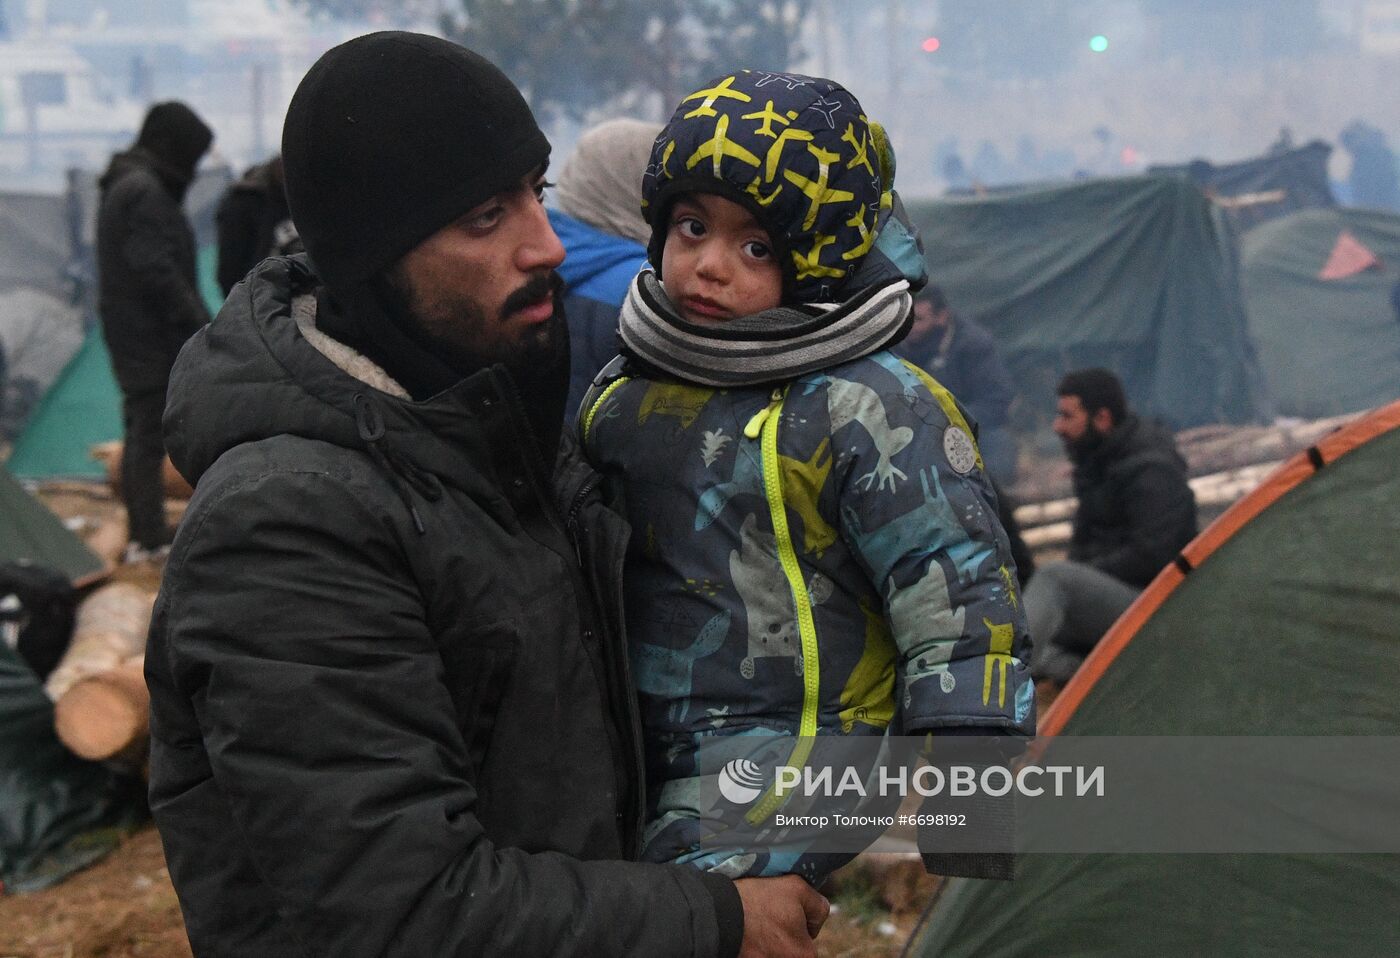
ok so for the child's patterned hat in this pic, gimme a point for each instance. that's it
(798, 152)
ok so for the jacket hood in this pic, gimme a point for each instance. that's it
(595, 259)
(176, 135)
(600, 182)
(123, 164)
(260, 370)
(140, 160)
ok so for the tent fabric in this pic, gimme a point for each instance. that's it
(29, 532)
(1262, 189)
(39, 333)
(1284, 626)
(1134, 274)
(1349, 257)
(1326, 346)
(34, 242)
(40, 271)
(58, 813)
(82, 408)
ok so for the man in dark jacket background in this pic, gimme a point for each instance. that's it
(1136, 512)
(599, 221)
(254, 222)
(962, 356)
(390, 704)
(148, 295)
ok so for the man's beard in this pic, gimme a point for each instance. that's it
(455, 331)
(537, 362)
(1079, 450)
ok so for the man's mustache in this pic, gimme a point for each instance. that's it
(544, 284)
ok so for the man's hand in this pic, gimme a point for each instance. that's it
(781, 917)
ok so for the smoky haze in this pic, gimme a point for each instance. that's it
(990, 93)
(974, 93)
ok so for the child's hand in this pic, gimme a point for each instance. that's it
(782, 916)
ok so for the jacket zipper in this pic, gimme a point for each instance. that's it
(623, 693)
(616, 674)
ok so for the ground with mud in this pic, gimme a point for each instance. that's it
(125, 907)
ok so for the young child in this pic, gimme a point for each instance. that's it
(815, 550)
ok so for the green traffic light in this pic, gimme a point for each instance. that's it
(1098, 43)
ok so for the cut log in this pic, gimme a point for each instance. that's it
(109, 539)
(111, 628)
(110, 455)
(107, 716)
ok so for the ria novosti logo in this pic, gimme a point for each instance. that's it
(741, 781)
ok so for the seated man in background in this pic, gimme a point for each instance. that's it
(962, 356)
(1136, 512)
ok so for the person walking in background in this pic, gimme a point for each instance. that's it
(254, 222)
(148, 296)
(962, 356)
(599, 221)
(1136, 512)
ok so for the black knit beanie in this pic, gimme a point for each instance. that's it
(392, 136)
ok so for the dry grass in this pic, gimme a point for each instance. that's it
(122, 907)
(125, 907)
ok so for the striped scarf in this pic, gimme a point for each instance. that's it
(771, 346)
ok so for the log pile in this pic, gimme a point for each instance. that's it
(110, 455)
(101, 706)
(107, 715)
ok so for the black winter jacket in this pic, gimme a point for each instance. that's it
(1136, 510)
(149, 295)
(390, 708)
(254, 223)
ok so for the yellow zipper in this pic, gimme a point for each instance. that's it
(764, 426)
(593, 409)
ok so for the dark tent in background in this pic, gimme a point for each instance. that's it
(1255, 191)
(40, 326)
(58, 813)
(29, 532)
(1134, 274)
(39, 332)
(35, 243)
(1286, 625)
(1318, 287)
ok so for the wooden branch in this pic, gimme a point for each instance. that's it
(107, 716)
(110, 629)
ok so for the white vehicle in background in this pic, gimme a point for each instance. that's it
(57, 112)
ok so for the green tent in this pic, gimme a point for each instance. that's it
(29, 532)
(83, 407)
(58, 813)
(1134, 274)
(1280, 620)
(1318, 287)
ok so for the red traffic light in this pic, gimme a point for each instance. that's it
(931, 45)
